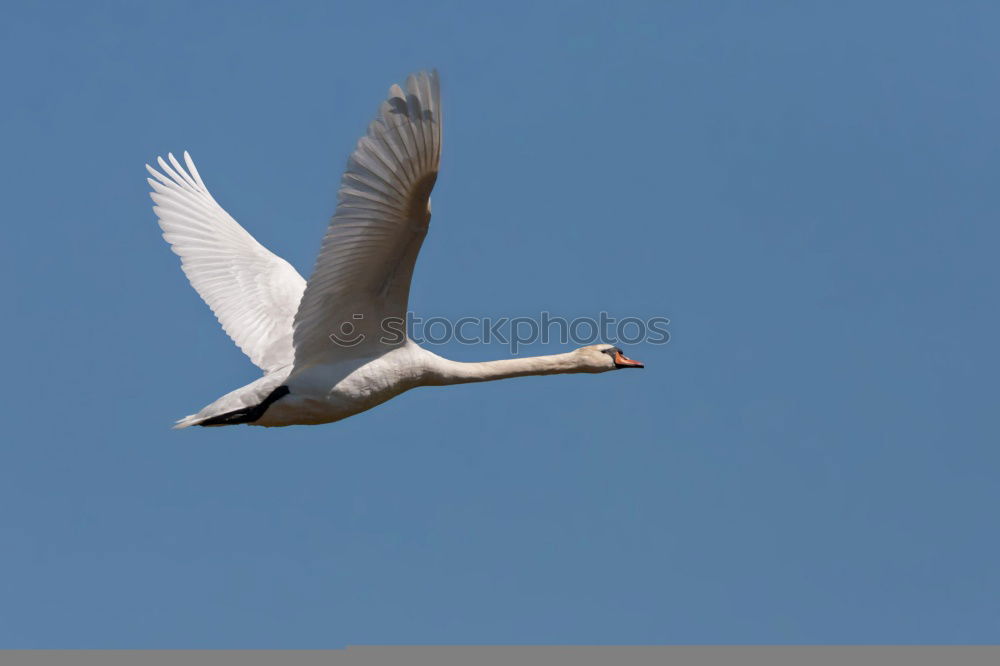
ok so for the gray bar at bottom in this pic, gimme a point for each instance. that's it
(506, 655)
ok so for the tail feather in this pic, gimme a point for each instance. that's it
(190, 420)
(212, 416)
(244, 405)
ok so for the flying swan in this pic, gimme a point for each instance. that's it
(322, 343)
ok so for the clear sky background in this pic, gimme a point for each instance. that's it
(809, 191)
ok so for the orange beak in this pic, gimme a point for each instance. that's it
(622, 362)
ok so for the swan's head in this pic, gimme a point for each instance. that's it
(603, 357)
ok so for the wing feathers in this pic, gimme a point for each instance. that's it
(367, 256)
(366, 261)
(253, 293)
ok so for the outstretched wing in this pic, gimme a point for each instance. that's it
(362, 276)
(253, 293)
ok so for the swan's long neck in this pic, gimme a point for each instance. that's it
(442, 371)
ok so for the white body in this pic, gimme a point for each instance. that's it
(336, 390)
(362, 277)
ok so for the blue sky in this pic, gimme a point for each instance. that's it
(807, 190)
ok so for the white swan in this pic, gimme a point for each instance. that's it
(334, 346)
